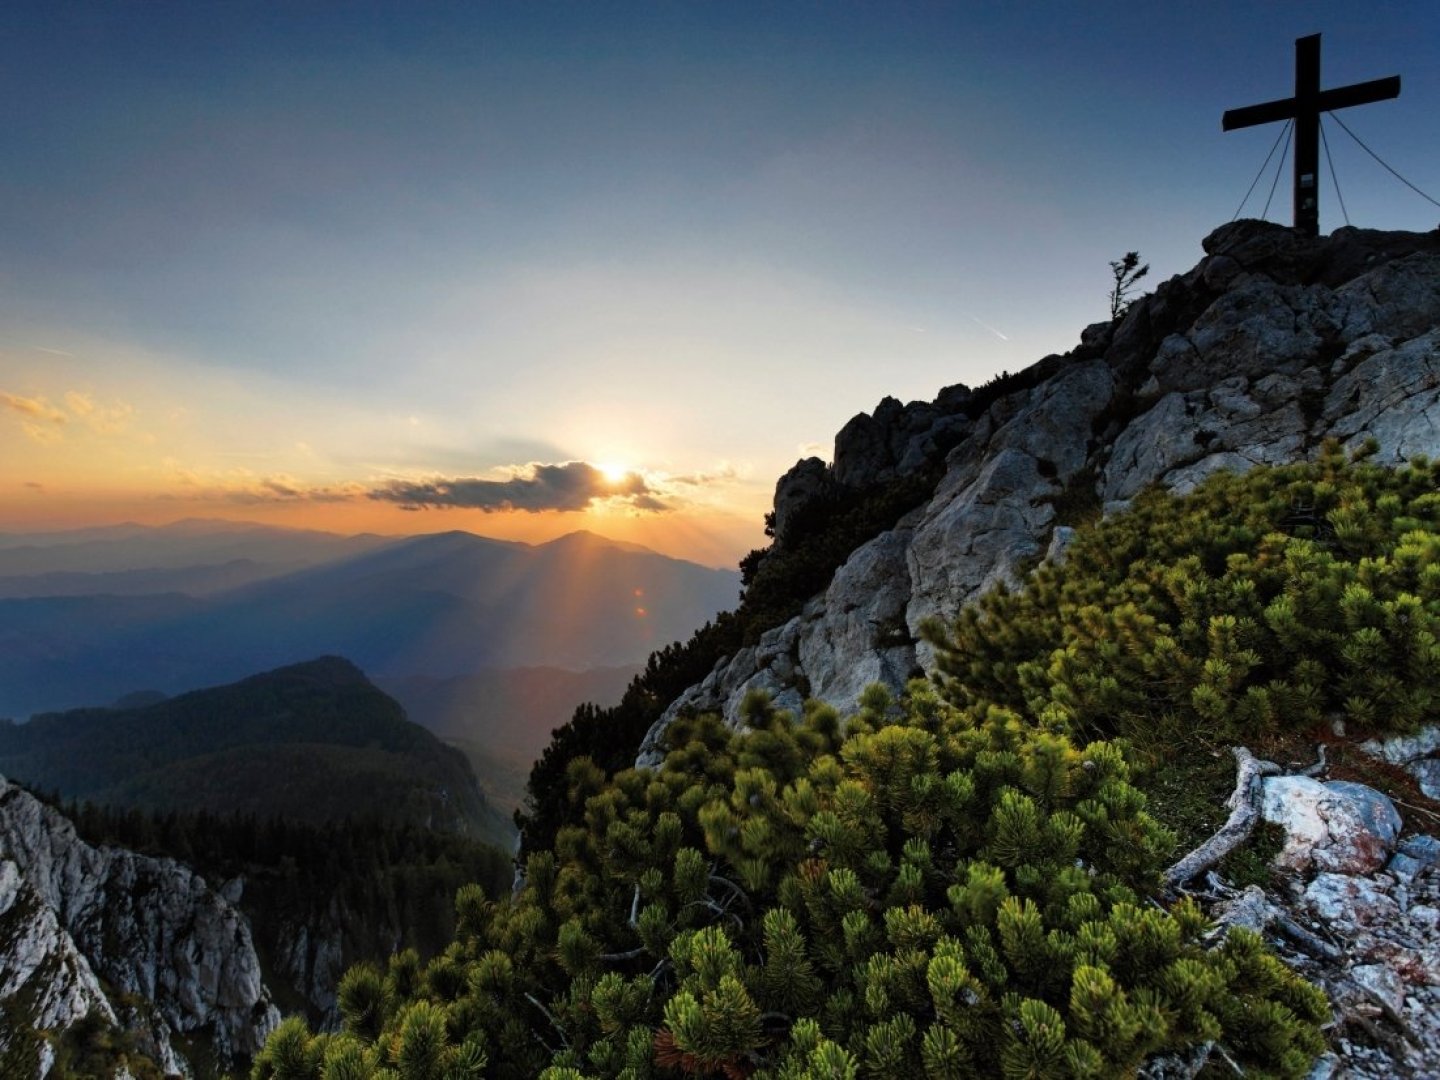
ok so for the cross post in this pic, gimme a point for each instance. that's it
(1305, 109)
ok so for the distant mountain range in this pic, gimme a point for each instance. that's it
(136, 558)
(90, 616)
(311, 742)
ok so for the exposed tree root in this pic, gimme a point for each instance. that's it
(1244, 803)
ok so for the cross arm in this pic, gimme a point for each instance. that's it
(1265, 113)
(1342, 97)
(1360, 94)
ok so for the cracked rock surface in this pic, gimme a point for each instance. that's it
(79, 923)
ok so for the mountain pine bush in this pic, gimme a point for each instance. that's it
(1282, 597)
(960, 882)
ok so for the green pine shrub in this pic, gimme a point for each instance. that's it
(933, 889)
(1278, 599)
(961, 882)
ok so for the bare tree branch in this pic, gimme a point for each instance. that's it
(1244, 803)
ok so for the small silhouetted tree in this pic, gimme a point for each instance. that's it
(1127, 272)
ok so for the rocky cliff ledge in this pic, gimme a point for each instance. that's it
(94, 929)
(1272, 344)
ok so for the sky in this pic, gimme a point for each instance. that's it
(527, 268)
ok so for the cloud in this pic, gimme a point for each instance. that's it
(102, 419)
(42, 421)
(32, 410)
(722, 474)
(245, 488)
(286, 489)
(569, 487)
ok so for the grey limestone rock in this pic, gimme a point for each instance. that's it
(40, 960)
(859, 634)
(1392, 396)
(862, 450)
(1403, 749)
(146, 927)
(807, 479)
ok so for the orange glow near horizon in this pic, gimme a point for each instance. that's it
(179, 441)
(706, 535)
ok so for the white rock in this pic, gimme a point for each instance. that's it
(860, 635)
(1427, 776)
(1341, 898)
(1403, 749)
(1392, 397)
(1383, 983)
(40, 960)
(1330, 826)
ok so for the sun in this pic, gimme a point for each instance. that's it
(612, 472)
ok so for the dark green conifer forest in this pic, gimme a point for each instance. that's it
(963, 881)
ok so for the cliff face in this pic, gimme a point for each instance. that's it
(90, 929)
(1272, 344)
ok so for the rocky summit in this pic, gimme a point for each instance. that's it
(141, 943)
(1272, 344)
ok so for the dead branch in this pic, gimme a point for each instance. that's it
(1310, 942)
(551, 1017)
(1244, 803)
(1319, 767)
(628, 954)
(1417, 809)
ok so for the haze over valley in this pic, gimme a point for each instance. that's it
(493, 642)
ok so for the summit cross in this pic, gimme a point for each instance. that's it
(1305, 109)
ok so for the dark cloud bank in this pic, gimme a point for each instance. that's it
(571, 486)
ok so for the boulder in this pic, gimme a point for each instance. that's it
(1338, 827)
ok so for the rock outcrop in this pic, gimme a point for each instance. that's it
(1272, 344)
(1337, 826)
(80, 924)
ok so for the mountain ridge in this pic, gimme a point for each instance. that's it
(1272, 343)
(316, 741)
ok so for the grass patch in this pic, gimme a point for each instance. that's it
(1186, 789)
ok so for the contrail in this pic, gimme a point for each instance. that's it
(992, 330)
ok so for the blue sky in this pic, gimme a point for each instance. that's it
(263, 259)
